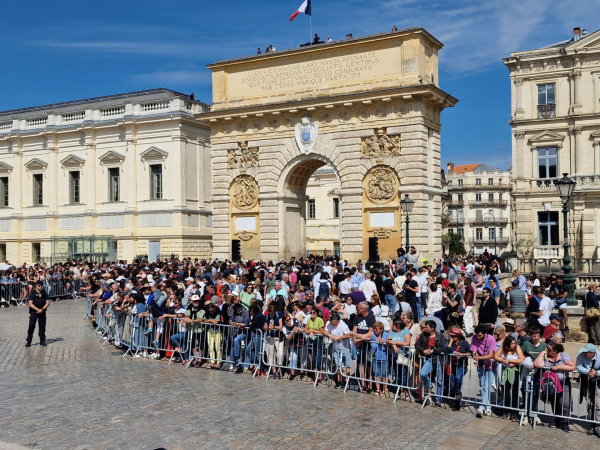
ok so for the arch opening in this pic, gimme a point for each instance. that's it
(310, 208)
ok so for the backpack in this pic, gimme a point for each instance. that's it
(502, 304)
(550, 384)
(324, 288)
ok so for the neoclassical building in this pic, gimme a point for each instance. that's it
(556, 129)
(479, 206)
(109, 177)
(369, 108)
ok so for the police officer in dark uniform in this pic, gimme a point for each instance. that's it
(38, 304)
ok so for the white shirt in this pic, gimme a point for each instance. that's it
(470, 268)
(368, 288)
(345, 287)
(546, 308)
(340, 330)
(399, 282)
(350, 309)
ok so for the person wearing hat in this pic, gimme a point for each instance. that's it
(459, 351)
(194, 316)
(592, 305)
(38, 305)
(552, 328)
(588, 366)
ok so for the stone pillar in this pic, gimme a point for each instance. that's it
(581, 162)
(576, 77)
(53, 173)
(178, 168)
(518, 82)
(518, 170)
(129, 168)
(351, 233)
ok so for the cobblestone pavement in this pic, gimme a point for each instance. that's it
(75, 394)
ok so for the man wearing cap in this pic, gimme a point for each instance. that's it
(551, 328)
(189, 283)
(588, 366)
(38, 305)
(591, 301)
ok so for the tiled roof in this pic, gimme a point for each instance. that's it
(465, 168)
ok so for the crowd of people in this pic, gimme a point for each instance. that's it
(412, 324)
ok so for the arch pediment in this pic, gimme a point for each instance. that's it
(111, 157)
(547, 138)
(36, 164)
(154, 153)
(72, 160)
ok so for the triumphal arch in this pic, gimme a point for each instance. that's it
(369, 108)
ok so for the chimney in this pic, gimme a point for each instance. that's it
(450, 167)
(576, 34)
(583, 32)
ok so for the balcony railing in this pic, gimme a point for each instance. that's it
(546, 111)
(483, 187)
(490, 221)
(548, 252)
(455, 220)
(487, 241)
(488, 203)
(456, 203)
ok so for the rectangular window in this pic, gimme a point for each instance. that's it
(114, 185)
(491, 197)
(38, 189)
(548, 228)
(479, 234)
(4, 192)
(490, 181)
(460, 198)
(492, 233)
(460, 183)
(477, 181)
(74, 187)
(547, 162)
(500, 232)
(546, 94)
(450, 183)
(478, 197)
(336, 208)
(500, 182)
(3, 252)
(312, 210)
(460, 231)
(156, 185)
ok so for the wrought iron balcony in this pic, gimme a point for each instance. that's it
(491, 222)
(488, 203)
(487, 241)
(546, 111)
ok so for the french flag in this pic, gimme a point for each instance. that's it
(304, 8)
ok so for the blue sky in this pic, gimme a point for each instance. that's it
(67, 50)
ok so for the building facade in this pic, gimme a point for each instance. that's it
(556, 129)
(478, 207)
(323, 213)
(368, 107)
(105, 178)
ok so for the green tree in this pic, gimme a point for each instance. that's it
(456, 244)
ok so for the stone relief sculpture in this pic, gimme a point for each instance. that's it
(244, 192)
(382, 233)
(381, 184)
(243, 157)
(381, 145)
(306, 135)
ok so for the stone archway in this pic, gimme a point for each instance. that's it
(370, 103)
(293, 199)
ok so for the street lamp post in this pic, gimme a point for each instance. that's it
(565, 187)
(486, 220)
(407, 205)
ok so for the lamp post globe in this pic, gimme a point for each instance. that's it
(565, 187)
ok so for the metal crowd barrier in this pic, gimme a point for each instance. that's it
(573, 398)
(298, 351)
(225, 344)
(15, 293)
(461, 382)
